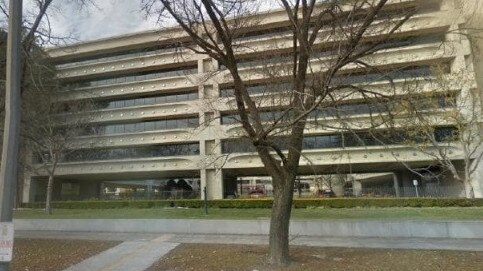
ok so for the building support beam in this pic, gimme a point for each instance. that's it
(396, 185)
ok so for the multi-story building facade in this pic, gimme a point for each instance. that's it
(166, 113)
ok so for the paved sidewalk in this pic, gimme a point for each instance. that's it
(128, 256)
(370, 242)
(140, 250)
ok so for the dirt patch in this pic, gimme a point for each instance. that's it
(54, 255)
(203, 257)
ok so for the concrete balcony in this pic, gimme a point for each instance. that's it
(133, 64)
(398, 87)
(133, 89)
(415, 55)
(436, 22)
(329, 125)
(147, 112)
(359, 157)
(278, 17)
(138, 138)
(136, 167)
(124, 42)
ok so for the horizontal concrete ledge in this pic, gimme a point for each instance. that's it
(321, 228)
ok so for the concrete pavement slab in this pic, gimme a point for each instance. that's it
(369, 242)
(128, 256)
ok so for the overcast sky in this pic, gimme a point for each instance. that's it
(110, 18)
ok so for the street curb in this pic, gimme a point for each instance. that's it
(320, 228)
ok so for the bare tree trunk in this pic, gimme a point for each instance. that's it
(279, 223)
(48, 200)
(469, 191)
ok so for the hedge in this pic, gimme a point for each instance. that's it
(266, 203)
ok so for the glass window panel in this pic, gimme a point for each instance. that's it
(139, 127)
(128, 103)
(110, 129)
(309, 143)
(129, 128)
(160, 99)
(119, 128)
(149, 100)
(193, 96)
(170, 124)
(171, 98)
(149, 126)
(181, 123)
(193, 122)
(160, 125)
(139, 101)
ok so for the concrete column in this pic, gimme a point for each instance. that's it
(396, 185)
(356, 188)
(203, 183)
(338, 188)
(27, 193)
(478, 181)
(102, 192)
(213, 180)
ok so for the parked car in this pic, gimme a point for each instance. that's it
(326, 193)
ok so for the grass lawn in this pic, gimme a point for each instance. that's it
(436, 213)
(206, 257)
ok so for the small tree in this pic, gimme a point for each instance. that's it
(49, 126)
(454, 102)
(37, 33)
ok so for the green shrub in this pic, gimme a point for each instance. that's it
(266, 203)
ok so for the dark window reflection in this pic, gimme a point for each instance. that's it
(144, 126)
(133, 152)
(356, 139)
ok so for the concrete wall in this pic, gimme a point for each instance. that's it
(328, 228)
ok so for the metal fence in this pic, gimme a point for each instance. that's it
(261, 191)
(134, 195)
(410, 191)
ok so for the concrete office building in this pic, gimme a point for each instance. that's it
(168, 115)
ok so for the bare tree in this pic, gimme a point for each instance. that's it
(37, 29)
(37, 32)
(337, 30)
(50, 127)
(454, 102)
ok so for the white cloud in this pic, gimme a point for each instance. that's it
(111, 18)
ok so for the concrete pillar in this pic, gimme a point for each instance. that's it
(477, 181)
(27, 189)
(338, 188)
(356, 188)
(102, 190)
(396, 185)
(148, 190)
(213, 180)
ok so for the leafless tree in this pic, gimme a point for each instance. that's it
(328, 41)
(37, 33)
(37, 28)
(50, 127)
(454, 102)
